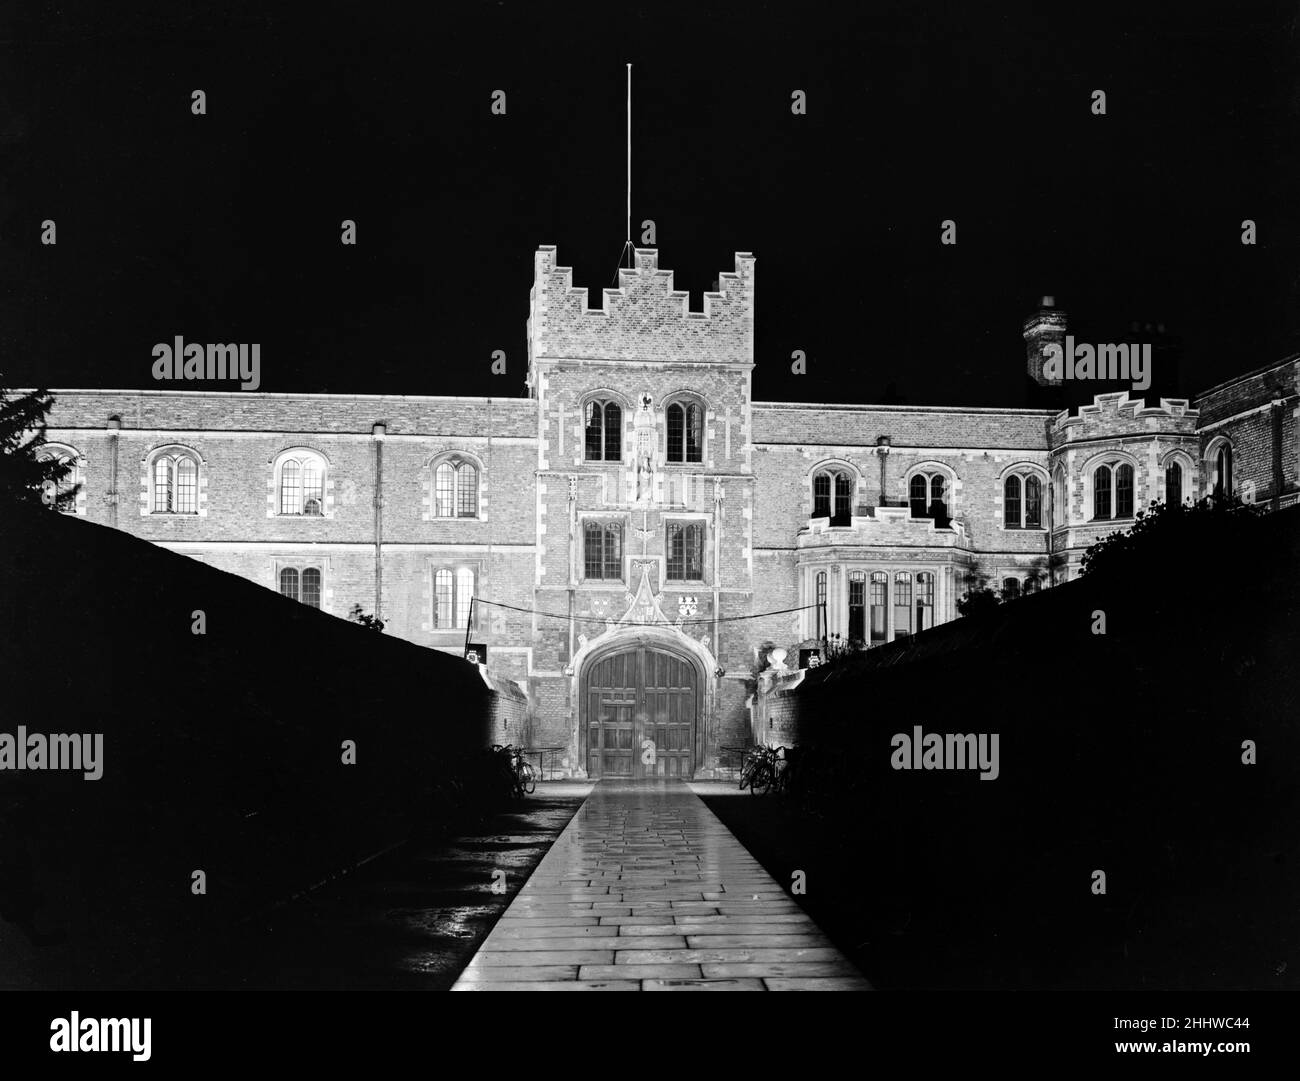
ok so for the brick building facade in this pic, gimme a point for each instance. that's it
(623, 530)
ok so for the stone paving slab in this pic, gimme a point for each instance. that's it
(770, 969)
(501, 973)
(702, 985)
(641, 972)
(829, 983)
(740, 955)
(554, 985)
(647, 890)
(540, 956)
(534, 921)
(535, 929)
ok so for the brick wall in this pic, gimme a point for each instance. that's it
(1243, 412)
(237, 439)
(907, 426)
(508, 713)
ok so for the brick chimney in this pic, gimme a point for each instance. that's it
(1045, 327)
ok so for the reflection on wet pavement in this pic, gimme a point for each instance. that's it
(646, 890)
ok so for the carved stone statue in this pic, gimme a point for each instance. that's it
(644, 478)
(644, 439)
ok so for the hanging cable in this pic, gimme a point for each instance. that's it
(634, 623)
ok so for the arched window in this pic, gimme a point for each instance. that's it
(1059, 510)
(918, 496)
(444, 490)
(685, 432)
(1112, 491)
(924, 601)
(938, 497)
(455, 489)
(902, 604)
(187, 486)
(162, 486)
(291, 488)
(1124, 491)
(1222, 474)
(927, 496)
(821, 604)
(61, 494)
(1033, 503)
(301, 584)
(879, 598)
(1022, 501)
(843, 500)
(1011, 503)
(685, 551)
(1101, 492)
(313, 487)
(1173, 484)
(833, 496)
(604, 426)
(1031, 586)
(311, 587)
(822, 485)
(175, 484)
(1010, 589)
(302, 485)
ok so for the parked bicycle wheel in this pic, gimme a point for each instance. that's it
(760, 777)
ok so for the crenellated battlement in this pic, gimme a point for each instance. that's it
(644, 319)
(1118, 414)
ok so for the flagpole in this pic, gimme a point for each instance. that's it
(629, 156)
(628, 250)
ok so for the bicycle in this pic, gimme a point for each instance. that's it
(514, 772)
(764, 770)
(525, 775)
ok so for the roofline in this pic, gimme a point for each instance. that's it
(1247, 375)
(254, 394)
(905, 408)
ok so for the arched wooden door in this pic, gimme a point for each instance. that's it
(640, 716)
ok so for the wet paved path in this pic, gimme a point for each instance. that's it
(646, 890)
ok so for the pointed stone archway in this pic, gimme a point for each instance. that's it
(646, 693)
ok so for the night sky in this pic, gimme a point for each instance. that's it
(225, 227)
